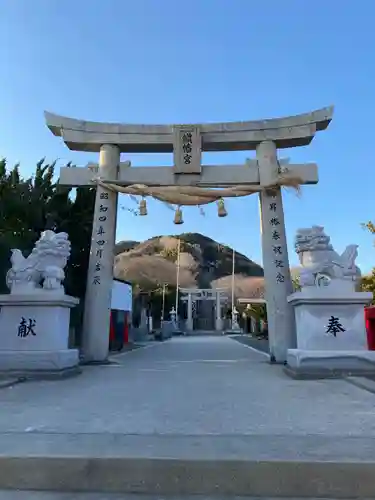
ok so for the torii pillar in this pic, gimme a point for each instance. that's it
(100, 272)
(278, 282)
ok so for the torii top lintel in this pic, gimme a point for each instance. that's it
(286, 132)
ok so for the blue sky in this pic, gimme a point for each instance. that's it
(163, 61)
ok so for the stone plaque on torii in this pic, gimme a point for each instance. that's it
(265, 173)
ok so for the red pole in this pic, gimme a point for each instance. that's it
(370, 327)
(111, 329)
(126, 328)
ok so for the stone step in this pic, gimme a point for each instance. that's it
(256, 466)
(178, 477)
(49, 495)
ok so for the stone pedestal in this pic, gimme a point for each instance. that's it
(34, 334)
(331, 334)
(218, 324)
(235, 328)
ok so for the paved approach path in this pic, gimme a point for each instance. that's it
(199, 415)
(189, 386)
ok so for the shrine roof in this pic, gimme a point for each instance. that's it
(286, 132)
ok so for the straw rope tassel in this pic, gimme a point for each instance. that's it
(178, 216)
(142, 207)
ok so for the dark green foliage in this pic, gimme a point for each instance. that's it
(125, 246)
(368, 281)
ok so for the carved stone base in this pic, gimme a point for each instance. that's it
(40, 364)
(34, 334)
(331, 334)
(312, 364)
(329, 320)
(218, 324)
(35, 322)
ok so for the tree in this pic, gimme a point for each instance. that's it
(295, 276)
(256, 311)
(368, 281)
(170, 253)
(370, 226)
(296, 283)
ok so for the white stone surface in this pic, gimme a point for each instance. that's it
(288, 131)
(95, 339)
(353, 361)
(34, 332)
(39, 298)
(47, 315)
(321, 265)
(281, 324)
(43, 268)
(211, 175)
(40, 360)
(314, 307)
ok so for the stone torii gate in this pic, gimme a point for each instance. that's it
(193, 294)
(264, 136)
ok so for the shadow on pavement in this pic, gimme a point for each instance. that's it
(257, 343)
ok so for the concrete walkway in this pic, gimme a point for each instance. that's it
(209, 399)
(189, 386)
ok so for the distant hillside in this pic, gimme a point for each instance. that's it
(203, 263)
(124, 246)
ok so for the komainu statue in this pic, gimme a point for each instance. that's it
(321, 265)
(43, 269)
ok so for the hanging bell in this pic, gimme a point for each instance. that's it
(178, 216)
(221, 211)
(142, 207)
